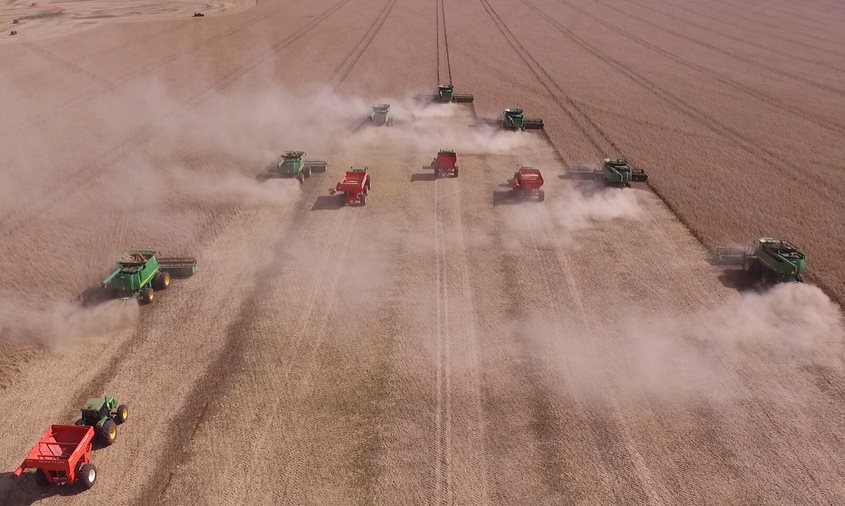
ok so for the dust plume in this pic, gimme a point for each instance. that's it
(58, 324)
(672, 355)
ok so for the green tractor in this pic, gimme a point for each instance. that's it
(620, 173)
(140, 273)
(104, 414)
(769, 259)
(446, 94)
(291, 164)
(514, 119)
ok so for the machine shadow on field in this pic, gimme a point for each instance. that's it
(24, 490)
(424, 176)
(327, 203)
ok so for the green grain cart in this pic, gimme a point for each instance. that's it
(769, 259)
(514, 119)
(140, 272)
(381, 115)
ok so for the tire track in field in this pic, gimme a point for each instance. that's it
(47, 55)
(748, 61)
(752, 30)
(816, 119)
(561, 98)
(77, 180)
(796, 19)
(341, 72)
(730, 134)
(685, 21)
(441, 28)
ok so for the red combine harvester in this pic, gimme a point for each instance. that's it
(62, 457)
(355, 185)
(527, 182)
(446, 162)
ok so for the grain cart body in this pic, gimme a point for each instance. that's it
(291, 164)
(514, 119)
(446, 162)
(354, 186)
(381, 115)
(527, 183)
(62, 457)
(771, 259)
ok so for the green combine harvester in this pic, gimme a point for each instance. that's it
(446, 94)
(514, 119)
(620, 173)
(381, 115)
(140, 273)
(291, 164)
(104, 414)
(769, 259)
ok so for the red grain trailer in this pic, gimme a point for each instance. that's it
(62, 457)
(527, 182)
(355, 186)
(446, 162)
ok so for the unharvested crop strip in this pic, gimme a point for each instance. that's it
(78, 180)
(341, 72)
(730, 134)
(441, 28)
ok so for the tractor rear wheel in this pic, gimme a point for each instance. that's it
(161, 280)
(108, 432)
(147, 295)
(87, 475)
(41, 478)
(122, 414)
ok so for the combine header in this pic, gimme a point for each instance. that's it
(446, 94)
(291, 164)
(62, 457)
(770, 259)
(139, 273)
(354, 186)
(381, 115)
(527, 182)
(446, 162)
(513, 119)
(614, 172)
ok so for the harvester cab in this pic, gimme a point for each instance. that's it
(104, 414)
(514, 119)
(769, 258)
(620, 172)
(381, 115)
(446, 162)
(140, 272)
(291, 164)
(446, 94)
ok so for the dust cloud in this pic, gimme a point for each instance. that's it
(677, 356)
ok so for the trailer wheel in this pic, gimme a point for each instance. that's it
(363, 199)
(300, 178)
(542, 195)
(369, 183)
(147, 295)
(108, 432)
(41, 478)
(87, 475)
(456, 171)
(122, 414)
(161, 280)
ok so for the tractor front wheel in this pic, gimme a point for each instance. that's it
(161, 280)
(87, 475)
(41, 478)
(147, 295)
(122, 414)
(108, 432)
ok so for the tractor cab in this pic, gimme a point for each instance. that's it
(94, 410)
(514, 119)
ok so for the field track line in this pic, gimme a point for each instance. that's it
(47, 55)
(341, 72)
(77, 180)
(748, 61)
(441, 29)
(796, 19)
(724, 131)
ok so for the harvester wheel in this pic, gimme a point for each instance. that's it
(161, 280)
(108, 432)
(87, 475)
(748, 266)
(147, 295)
(41, 478)
(122, 414)
(300, 178)
(307, 171)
